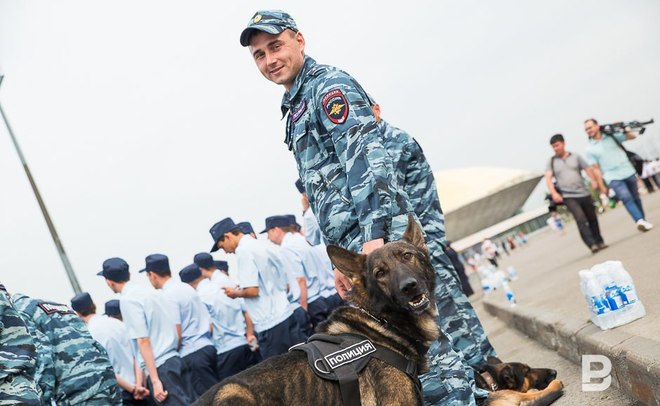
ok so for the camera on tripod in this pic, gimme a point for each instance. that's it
(622, 127)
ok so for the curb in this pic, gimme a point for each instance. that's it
(635, 360)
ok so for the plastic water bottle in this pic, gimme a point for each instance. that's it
(509, 293)
(513, 274)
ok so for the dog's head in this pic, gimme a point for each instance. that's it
(518, 376)
(393, 282)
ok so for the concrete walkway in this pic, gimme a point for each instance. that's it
(552, 310)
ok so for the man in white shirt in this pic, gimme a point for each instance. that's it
(298, 258)
(232, 328)
(262, 286)
(112, 335)
(148, 319)
(196, 349)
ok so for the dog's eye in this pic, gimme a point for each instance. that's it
(407, 256)
(379, 273)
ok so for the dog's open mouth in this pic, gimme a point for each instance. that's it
(419, 302)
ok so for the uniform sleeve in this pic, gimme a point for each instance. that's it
(133, 314)
(292, 263)
(346, 116)
(248, 273)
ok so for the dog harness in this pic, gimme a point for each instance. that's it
(342, 357)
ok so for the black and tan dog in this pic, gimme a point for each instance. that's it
(515, 383)
(393, 308)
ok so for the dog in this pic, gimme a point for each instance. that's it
(515, 383)
(392, 308)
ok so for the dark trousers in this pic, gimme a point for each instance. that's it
(318, 311)
(170, 374)
(333, 302)
(200, 370)
(584, 213)
(127, 400)
(278, 339)
(303, 321)
(234, 361)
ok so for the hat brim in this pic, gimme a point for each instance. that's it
(100, 273)
(270, 29)
(142, 270)
(214, 248)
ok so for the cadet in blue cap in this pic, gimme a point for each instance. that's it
(353, 189)
(72, 367)
(196, 350)
(112, 309)
(233, 331)
(18, 357)
(112, 335)
(149, 319)
(262, 282)
(246, 228)
(298, 257)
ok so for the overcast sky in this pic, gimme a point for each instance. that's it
(144, 122)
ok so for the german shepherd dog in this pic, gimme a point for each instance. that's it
(392, 306)
(515, 383)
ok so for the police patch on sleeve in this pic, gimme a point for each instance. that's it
(335, 106)
(51, 308)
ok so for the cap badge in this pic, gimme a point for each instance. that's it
(256, 18)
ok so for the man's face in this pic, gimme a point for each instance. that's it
(591, 128)
(558, 147)
(228, 243)
(275, 235)
(278, 57)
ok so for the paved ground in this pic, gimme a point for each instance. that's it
(512, 345)
(552, 310)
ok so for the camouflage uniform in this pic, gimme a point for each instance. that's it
(17, 357)
(415, 177)
(348, 177)
(81, 373)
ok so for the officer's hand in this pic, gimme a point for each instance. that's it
(342, 284)
(160, 394)
(556, 197)
(231, 292)
(140, 392)
(372, 245)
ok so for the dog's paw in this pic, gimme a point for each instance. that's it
(556, 385)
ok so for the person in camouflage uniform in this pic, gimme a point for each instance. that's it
(17, 357)
(415, 177)
(77, 370)
(348, 177)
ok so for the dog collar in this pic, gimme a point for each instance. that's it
(489, 380)
(416, 343)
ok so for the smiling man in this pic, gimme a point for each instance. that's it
(352, 188)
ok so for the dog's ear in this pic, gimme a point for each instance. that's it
(413, 233)
(494, 360)
(349, 263)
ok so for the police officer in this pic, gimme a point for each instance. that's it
(298, 258)
(77, 370)
(196, 349)
(18, 357)
(149, 319)
(351, 184)
(112, 335)
(233, 331)
(262, 286)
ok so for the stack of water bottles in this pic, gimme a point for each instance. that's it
(493, 279)
(610, 295)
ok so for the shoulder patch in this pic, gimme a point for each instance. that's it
(298, 111)
(335, 106)
(51, 308)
